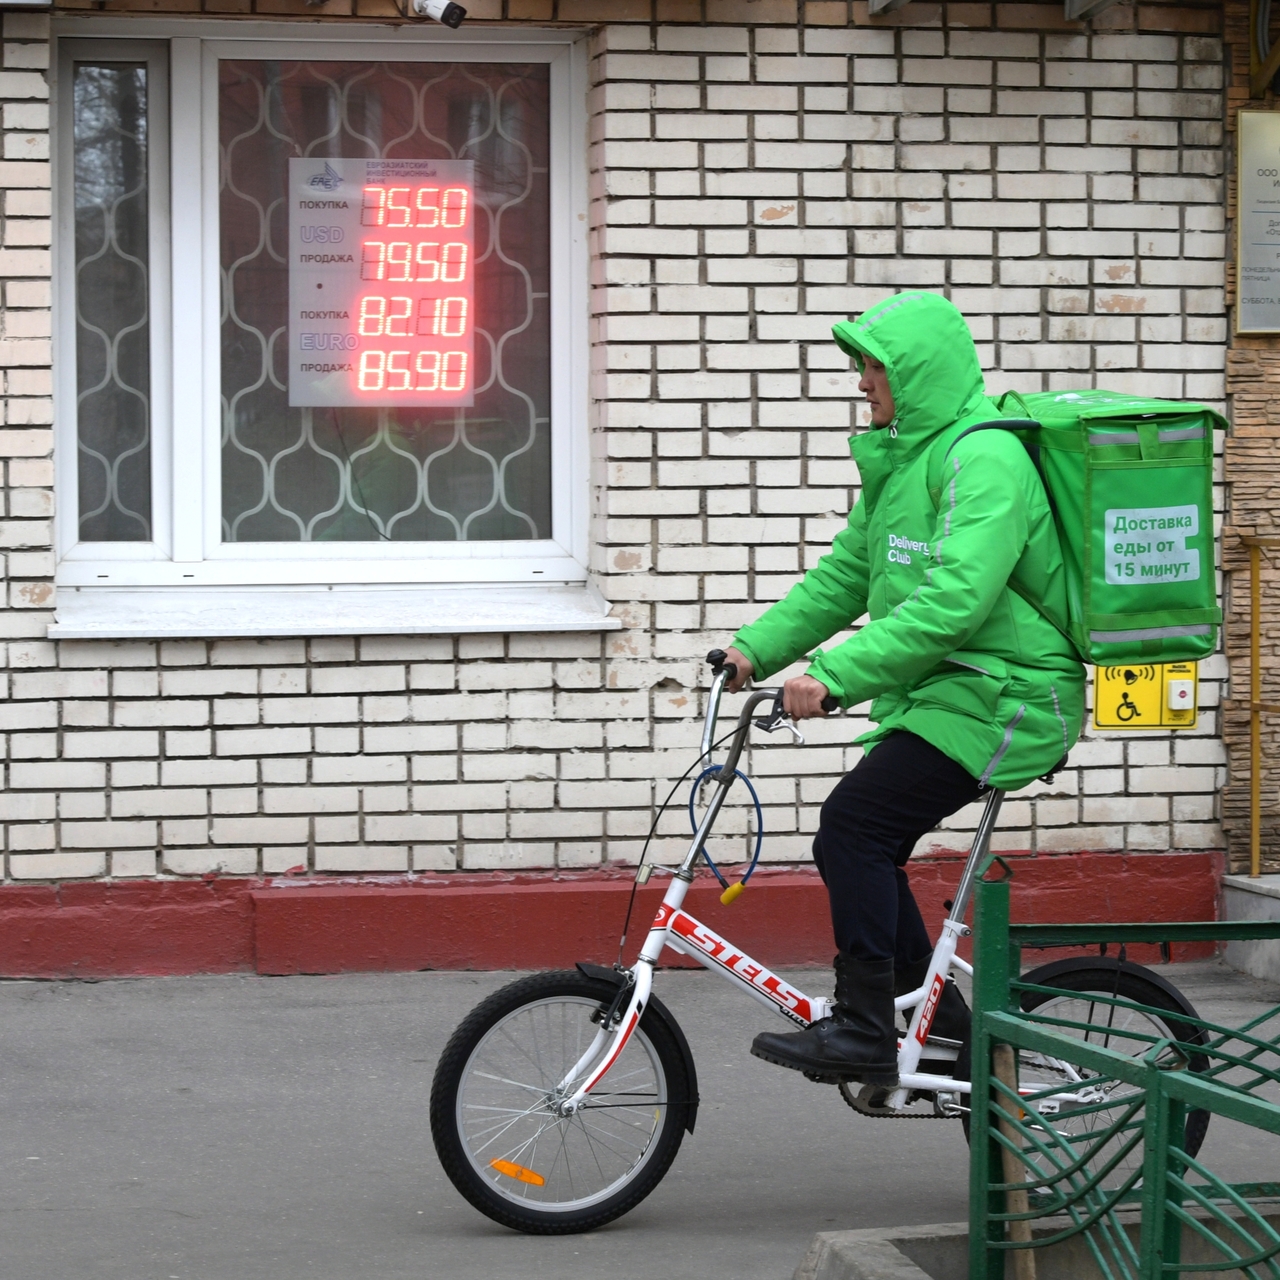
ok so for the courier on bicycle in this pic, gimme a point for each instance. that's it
(949, 544)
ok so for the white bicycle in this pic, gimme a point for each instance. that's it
(561, 1100)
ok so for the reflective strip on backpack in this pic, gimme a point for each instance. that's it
(1167, 435)
(1147, 633)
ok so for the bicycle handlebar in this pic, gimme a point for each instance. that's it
(716, 661)
(724, 672)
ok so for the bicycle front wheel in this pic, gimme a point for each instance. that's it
(493, 1108)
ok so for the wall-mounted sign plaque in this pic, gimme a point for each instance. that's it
(1258, 223)
(1152, 696)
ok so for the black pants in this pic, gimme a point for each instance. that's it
(870, 823)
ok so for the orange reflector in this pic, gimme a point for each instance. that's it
(518, 1172)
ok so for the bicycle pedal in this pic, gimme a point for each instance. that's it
(870, 1101)
(817, 1079)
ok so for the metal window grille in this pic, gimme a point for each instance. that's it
(112, 282)
(396, 474)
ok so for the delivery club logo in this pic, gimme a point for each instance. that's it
(900, 549)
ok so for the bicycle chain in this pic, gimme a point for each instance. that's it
(864, 1108)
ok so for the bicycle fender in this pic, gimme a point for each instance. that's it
(1045, 974)
(659, 1011)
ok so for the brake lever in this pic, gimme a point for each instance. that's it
(778, 719)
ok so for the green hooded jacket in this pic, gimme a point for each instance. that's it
(951, 652)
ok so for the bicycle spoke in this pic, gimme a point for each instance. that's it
(500, 1131)
(591, 1147)
(619, 1137)
(535, 1062)
(515, 1084)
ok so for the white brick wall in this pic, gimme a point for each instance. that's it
(750, 187)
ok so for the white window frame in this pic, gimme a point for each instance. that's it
(187, 553)
(66, 454)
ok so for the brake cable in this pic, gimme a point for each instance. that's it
(662, 808)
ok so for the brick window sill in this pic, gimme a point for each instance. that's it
(91, 613)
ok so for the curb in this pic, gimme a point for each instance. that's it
(874, 1254)
(941, 1251)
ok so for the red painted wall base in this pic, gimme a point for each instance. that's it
(531, 921)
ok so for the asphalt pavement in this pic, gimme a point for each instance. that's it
(246, 1128)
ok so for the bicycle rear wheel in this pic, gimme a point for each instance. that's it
(495, 1125)
(1118, 1027)
(1094, 986)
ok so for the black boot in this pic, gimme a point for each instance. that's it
(951, 1019)
(857, 1042)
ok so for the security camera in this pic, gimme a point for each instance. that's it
(444, 11)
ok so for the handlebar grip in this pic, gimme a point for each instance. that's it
(716, 658)
(829, 704)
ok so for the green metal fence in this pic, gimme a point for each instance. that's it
(1080, 1125)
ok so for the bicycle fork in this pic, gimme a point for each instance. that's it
(615, 1030)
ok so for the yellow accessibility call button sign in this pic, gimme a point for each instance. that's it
(1161, 695)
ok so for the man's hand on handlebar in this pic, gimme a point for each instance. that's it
(743, 664)
(802, 697)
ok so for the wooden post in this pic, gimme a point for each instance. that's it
(1004, 1068)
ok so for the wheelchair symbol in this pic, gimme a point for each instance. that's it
(1126, 710)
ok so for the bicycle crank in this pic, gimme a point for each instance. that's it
(869, 1100)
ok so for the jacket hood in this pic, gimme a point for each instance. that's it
(924, 343)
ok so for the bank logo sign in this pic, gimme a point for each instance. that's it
(1149, 544)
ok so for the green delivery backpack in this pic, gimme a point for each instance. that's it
(1130, 482)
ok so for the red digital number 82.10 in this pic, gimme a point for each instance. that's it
(381, 317)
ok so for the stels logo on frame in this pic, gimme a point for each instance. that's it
(930, 1008)
(692, 933)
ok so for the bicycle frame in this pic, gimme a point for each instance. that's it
(675, 928)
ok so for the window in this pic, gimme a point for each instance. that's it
(112, 299)
(322, 323)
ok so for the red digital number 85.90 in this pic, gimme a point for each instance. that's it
(382, 371)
